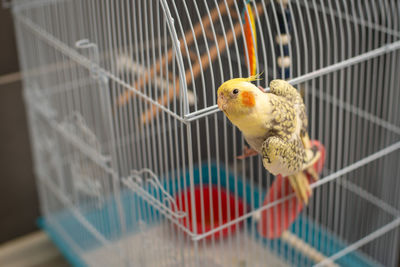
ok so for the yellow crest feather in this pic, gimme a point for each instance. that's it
(255, 77)
(248, 79)
(232, 82)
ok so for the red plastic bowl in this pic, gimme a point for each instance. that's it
(210, 220)
(277, 219)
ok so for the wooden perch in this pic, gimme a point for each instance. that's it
(205, 61)
(189, 37)
(196, 69)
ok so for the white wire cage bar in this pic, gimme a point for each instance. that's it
(136, 165)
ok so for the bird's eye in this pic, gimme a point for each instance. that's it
(235, 91)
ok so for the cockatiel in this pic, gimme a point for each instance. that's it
(275, 126)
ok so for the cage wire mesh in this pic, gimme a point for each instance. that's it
(135, 165)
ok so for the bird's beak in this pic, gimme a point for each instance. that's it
(221, 102)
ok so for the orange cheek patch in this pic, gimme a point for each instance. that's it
(248, 99)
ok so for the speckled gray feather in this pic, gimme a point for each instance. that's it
(282, 147)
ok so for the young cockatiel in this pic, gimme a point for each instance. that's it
(274, 124)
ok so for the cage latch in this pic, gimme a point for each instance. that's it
(147, 185)
(93, 56)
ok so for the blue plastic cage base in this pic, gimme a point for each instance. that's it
(70, 254)
(109, 225)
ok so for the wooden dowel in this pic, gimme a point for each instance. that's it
(163, 100)
(305, 248)
(197, 68)
(192, 55)
(189, 37)
(210, 35)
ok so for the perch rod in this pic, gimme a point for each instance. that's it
(197, 67)
(205, 62)
(306, 249)
(189, 38)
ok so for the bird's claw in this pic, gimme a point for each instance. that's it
(313, 173)
(301, 186)
(262, 89)
(247, 152)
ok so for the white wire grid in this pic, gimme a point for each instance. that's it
(167, 58)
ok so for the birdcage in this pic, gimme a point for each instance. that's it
(136, 166)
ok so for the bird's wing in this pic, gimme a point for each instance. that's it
(284, 89)
(283, 157)
(283, 122)
(312, 154)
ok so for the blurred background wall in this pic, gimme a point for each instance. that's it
(19, 205)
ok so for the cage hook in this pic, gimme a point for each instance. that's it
(93, 54)
(136, 182)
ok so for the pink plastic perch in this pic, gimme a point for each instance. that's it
(275, 220)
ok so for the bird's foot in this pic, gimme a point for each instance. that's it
(313, 173)
(313, 156)
(262, 89)
(247, 152)
(301, 186)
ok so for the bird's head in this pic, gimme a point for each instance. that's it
(237, 97)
